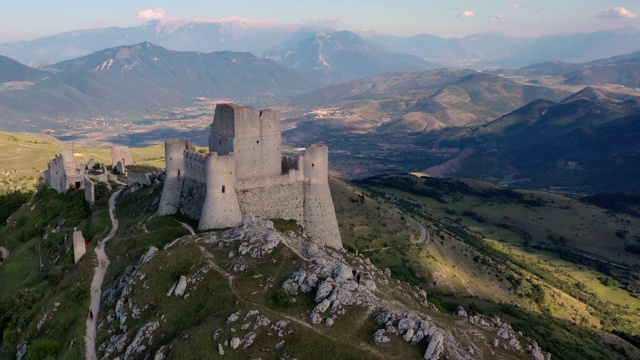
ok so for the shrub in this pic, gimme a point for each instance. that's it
(43, 349)
(282, 298)
(78, 292)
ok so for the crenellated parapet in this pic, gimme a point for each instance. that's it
(195, 166)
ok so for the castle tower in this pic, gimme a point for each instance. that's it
(174, 156)
(252, 135)
(221, 208)
(320, 221)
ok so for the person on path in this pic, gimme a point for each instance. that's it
(358, 279)
(354, 273)
(90, 315)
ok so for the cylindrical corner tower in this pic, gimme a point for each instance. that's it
(319, 214)
(174, 156)
(221, 208)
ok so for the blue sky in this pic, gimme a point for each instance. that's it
(30, 19)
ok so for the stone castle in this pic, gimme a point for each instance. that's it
(245, 174)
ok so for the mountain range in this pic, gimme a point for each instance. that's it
(136, 80)
(234, 34)
(341, 56)
(425, 101)
(588, 142)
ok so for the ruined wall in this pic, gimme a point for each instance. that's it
(280, 196)
(320, 221)
(79, 248)
(174, 150)
(138, 178)
(89, 190)
(61, 171)
(252, 135)
(120, 168)
(122, 154)
(221, 208)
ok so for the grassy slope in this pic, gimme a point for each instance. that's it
(42, 230)
(457, 273)
(25, 156)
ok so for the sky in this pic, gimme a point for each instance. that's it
(31, 19)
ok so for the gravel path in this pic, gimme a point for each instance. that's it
(96, 284)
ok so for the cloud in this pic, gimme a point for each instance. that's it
(518, 6)
(466, 14)
(152, 14)
(499, 18)
(617, 12)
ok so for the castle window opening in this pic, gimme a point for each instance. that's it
(257, 141)
(223, 189)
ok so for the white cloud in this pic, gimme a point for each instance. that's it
(617, 12)
(518, 6)
(152, 14)
(466, 14)
(499, 18)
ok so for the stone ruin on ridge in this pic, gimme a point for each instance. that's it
(245, 174)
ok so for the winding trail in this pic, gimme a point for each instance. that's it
(423, 235)
(188, 227)
(96, 283)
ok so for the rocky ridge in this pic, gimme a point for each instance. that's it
(325, 287)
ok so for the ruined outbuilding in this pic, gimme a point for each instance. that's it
(63, 172)
(245, 174)
(120, 154)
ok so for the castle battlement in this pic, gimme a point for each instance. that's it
(245, 174)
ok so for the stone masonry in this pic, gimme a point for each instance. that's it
(245, 174)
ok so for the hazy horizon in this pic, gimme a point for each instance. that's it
(20, 21)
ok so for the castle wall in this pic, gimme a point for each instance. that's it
(195, 166)
(320, 221)
(122, 154)
(174, 151)
(280, 196)
(89, 190)
(192, 197)
(221, 208)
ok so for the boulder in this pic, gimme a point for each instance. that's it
(460, 312)
(248, 339)
(370, 285)
(342, 273)
(234, 343)
(435, 348)
(379, 337)
(322, 306)
(181, 287)
(324, 289)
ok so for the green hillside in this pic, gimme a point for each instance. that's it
(557, 270)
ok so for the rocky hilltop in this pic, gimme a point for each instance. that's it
(319, 297)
